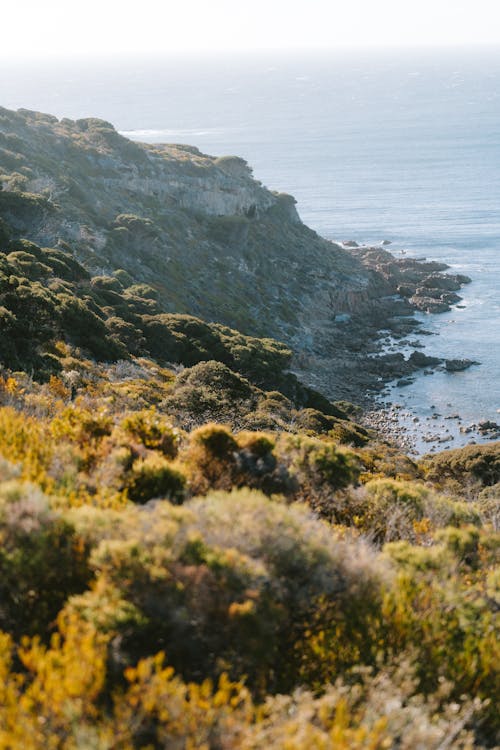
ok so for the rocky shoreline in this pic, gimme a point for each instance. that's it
(211, 241)
(382, 329)
(367, 334)
(419, 435)
(415, 285)
(419, 281)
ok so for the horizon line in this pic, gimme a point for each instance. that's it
(242, 53)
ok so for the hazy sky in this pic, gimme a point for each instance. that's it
(114, 27)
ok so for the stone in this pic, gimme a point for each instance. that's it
(429, 305)
(419, 359)
(457, 365)
(488, 426)
(404, 382)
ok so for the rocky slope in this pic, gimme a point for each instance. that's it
(209, 239)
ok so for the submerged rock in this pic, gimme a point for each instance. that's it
(404, 382)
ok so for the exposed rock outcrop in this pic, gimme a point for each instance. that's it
(421, 282)
(457, 365)
(213, 242)
(419, 359)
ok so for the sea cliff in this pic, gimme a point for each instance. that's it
(214, 242)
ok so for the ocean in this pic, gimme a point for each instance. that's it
(400, 145)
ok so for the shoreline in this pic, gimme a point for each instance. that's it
(418, 437)
(433, 289)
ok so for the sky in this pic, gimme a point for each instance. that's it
(110, 28)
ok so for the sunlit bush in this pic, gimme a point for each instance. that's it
(276, 596)
(42, 560)
(152, 430)
(155, 477)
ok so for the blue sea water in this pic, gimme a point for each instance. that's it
(398, 145)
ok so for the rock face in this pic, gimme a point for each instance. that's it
(204, 233)
(211, 241)
(422, 283)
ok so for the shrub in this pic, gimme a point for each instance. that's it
(320, 466)
(210, 391)
(154, 707)
(349, 433)
(275, 596)
(489, 505)
(314, 421)
(389, 509)
(211, 458)
(49, 695)
(392, 507)
(365, 710)
(152, 430)
(4, 234)
(42, 561)
(24, 441)
(81, 425)
(127, 335)
(463, 545)
(155, 477)
(442, 610)
(474, 462)
(324, 592)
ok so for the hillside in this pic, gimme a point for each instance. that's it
(169, 214)
(208, 238)
(197, 549)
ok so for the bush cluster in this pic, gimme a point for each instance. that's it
(196, 551)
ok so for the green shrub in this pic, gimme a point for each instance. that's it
(152, 430)
(321, 463)
(489, 505)
(314, 421)
(4, 235)
(389, 509)
(210, 391)
(463, 544)
(42, 561)
(349, 433)
(274, 595)
(155, 477)
(474, 463)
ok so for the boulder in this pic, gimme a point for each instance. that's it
(457, 365)
(488, 426)
(419, 359)
(444, 282)
(429, 305)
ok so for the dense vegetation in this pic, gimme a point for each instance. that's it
(125, 536)
(196, 551)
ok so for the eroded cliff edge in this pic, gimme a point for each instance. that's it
(208, 237)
